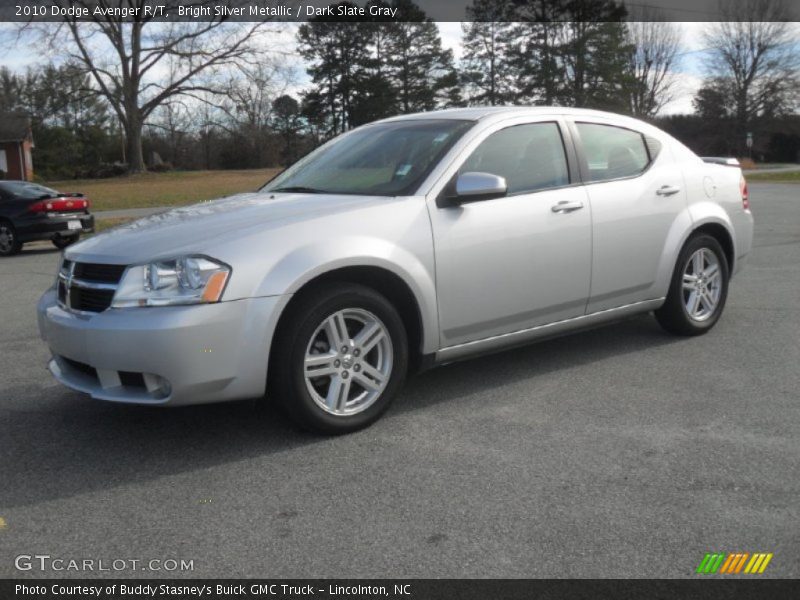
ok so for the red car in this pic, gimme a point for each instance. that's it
(30, 212)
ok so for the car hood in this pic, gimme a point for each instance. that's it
(199, 227)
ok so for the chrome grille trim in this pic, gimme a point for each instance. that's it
(89, 285)
(94, 296)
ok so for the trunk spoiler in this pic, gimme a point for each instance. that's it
(717, 160)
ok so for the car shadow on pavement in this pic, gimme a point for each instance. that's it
(476, 375)
(57, 443)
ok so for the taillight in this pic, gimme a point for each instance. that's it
(745, 193)
(59, 205)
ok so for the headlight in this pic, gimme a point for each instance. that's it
(185, 280)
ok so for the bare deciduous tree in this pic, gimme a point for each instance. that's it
(655, 46)
(137, 65)
(754, 59)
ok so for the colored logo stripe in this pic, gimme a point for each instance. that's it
(710, 563)
(758, 563)
(734, 563)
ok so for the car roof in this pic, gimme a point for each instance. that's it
(498, 113)
(477, 113)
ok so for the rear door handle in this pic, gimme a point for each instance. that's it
(667, 190)
(566, 206)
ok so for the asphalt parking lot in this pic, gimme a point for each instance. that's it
(619, 452)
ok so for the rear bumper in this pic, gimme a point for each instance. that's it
(162, 355)
(42, 227)
(743, 225)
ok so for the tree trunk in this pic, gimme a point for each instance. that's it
(133, 135)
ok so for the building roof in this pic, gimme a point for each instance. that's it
(14, 127)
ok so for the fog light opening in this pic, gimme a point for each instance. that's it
(157, 386)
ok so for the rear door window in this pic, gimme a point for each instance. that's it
(613, 152)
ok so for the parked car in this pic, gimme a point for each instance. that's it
(29, 212)
(406, 243)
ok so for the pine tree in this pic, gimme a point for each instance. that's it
(419, 68)
(572, 52)
(487, 68)
(340, 63)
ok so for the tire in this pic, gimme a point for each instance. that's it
(358, 380)
(62, 242)
(9, 244)
(695, 308)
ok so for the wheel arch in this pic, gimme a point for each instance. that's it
(385, 281)
(720, 233)
(688, 223)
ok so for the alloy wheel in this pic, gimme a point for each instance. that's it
(348, 362)
(702, 284)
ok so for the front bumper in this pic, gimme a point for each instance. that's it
(163, 355)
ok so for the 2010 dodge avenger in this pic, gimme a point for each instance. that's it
(405, 243)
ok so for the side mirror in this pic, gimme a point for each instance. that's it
(479, 186)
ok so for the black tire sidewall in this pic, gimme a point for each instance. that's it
(17, 245)
(297, 399)
(64, 242)
(676, 314)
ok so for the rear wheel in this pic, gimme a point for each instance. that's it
(9, 244)
(698, 290)
(62, 242)
(340, 359)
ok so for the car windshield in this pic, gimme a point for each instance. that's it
(26, 191)
(386, 159)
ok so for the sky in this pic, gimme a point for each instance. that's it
(689, 67)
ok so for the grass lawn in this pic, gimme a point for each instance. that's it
(164, 189)
(101, 225)
(784, 177)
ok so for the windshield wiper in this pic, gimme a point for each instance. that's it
(299, 189)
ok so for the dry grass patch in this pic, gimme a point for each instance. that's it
(165, 189)
(780, 177)
(101, 225)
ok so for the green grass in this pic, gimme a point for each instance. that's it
(164, 189)
(101, 225)
(784, 177)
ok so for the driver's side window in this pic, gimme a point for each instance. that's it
(530, 157)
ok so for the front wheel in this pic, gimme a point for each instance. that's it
(62, 242)
(698, 290)
(339, 359)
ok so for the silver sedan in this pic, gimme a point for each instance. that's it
(402, 244)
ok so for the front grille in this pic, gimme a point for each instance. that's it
(90, 300)
(88, 287)
(99, 273)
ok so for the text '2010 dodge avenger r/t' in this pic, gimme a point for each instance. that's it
(405, 243)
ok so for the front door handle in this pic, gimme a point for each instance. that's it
(667, 190)
(566, 206)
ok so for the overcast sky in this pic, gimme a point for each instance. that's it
(690, 66)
